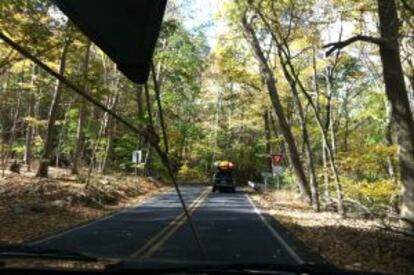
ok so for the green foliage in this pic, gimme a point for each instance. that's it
(214, 97)
(123, 147)
(369, 164)
(190, 174)
(18, 149)
(375, 195)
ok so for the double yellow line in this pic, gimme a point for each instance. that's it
(156, 242)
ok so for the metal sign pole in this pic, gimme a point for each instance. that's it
(277, 182)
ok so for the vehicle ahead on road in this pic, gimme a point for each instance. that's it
(223, 178)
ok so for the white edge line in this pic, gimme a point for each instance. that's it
(131, 208)
(275, 234)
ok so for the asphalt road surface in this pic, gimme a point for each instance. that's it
(230, 228)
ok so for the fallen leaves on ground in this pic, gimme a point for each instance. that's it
(356, 244)
(31, 207)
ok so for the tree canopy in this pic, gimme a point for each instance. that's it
(316, 81)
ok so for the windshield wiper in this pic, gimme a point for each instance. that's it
(263, 268)
(154, 266)
(32, 252)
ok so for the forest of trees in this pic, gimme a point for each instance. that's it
(330, 84)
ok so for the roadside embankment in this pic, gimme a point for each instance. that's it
(356, 244)
(31, 207)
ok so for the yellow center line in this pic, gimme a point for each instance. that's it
(156, 242)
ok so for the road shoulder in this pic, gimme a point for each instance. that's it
(299, 248)
(350, 244)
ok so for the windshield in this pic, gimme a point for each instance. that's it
(207, 135)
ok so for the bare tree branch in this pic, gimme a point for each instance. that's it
(301, 52)
(342, 44)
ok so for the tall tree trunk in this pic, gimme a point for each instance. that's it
(140, 110)
(30, 128)
(333, 130)
(326, 193)
(12, 135)
(110, 130)
(62, 133)
(315, 78)
(316, 109)
(80, 136)
(282, 147)
(53, 115)
(268, 136)
(148, 163)
(148, 105)
(108, 149)
(284, 51)
(330, 155)
(92, 162)
(216, 126)
(329, 122)
(140, 115)
(157, 88)
(274, 96)
(305, 135)
(329, 152)
(148, 159)
(346, 130)
(182, 152)
(111, 80)
(330, 147)
(400, 107)
(410, 76)
(3, 155)
(389, 141)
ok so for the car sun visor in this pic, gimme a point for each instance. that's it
(126, 30)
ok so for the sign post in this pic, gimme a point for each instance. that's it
(277, 169)
(266, 175)
(137, 159)
(137, 156)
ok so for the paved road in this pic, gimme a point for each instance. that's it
(230, 228)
